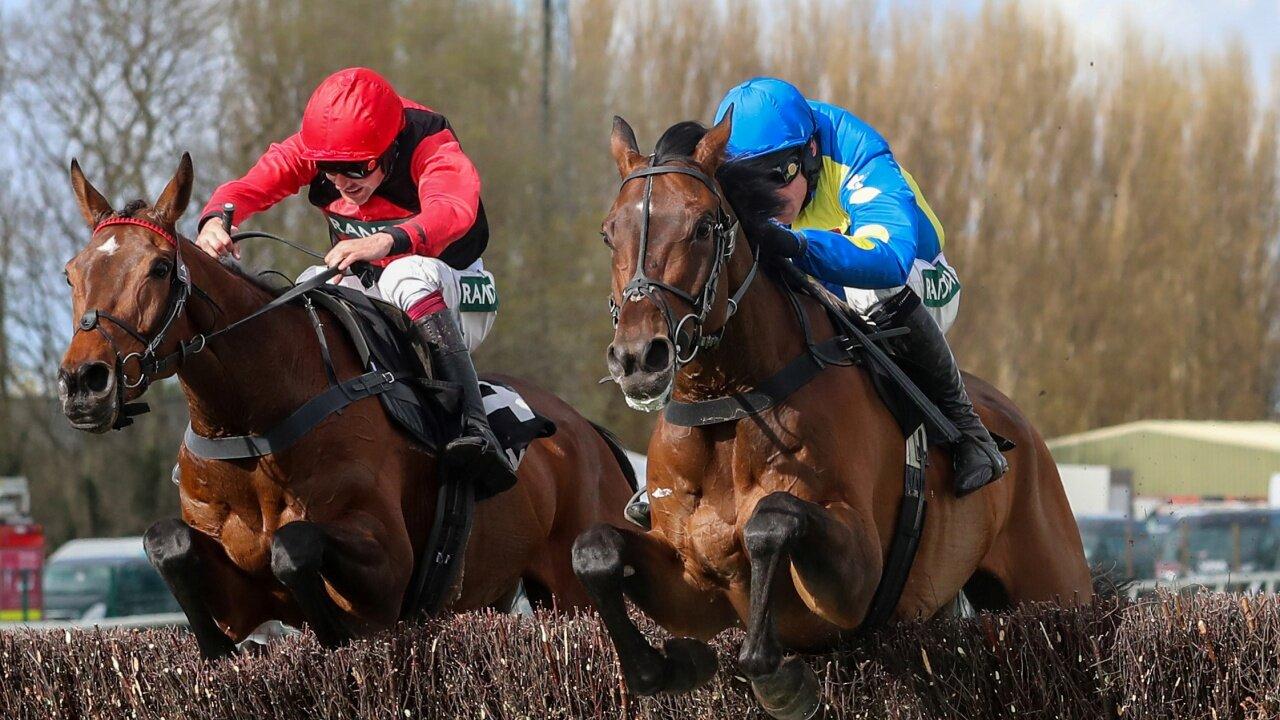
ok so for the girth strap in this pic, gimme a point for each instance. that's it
(440, 567)
(906, 535)
(337, 397)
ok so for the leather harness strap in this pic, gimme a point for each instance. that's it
(773, 390)
(300, 422)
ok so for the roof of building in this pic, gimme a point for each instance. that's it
(1258, 435)
(125, 548)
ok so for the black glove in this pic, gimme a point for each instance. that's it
(778, 240)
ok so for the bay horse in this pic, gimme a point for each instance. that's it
(326, 531)
(780, 520)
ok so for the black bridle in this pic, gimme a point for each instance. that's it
(150, 364)
(725, 233)
(181, 289)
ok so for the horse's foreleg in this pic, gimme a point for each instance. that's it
(297, 558)
(175, 551)
(785, 532)
(322, 564)
(610, 562)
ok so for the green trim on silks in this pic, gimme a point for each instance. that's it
(940, 285)
(477, 294)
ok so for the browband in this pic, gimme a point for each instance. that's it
(153, 227)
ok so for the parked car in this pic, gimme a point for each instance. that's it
(103, 578)
(1217, 540)
(1118, 545)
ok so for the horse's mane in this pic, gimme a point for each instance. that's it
(747, 187)
(259, 280)
(751, 192)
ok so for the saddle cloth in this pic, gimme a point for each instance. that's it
(430, 413)
(512, 420)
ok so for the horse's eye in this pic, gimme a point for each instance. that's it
(160, 269)
(605, 237)
(703, 232)
(67, 276)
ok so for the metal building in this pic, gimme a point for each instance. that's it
(1183, 458)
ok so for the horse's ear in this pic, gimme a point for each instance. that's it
(710, 151)
(173, 201)
(92, 205)
(622, 143)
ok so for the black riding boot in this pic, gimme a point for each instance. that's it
(476, 453)
(930, 365)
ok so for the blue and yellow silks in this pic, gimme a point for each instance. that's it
(866, 222)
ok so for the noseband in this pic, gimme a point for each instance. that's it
(688, 340)
(181, 289)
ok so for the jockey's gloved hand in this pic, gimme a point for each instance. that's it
(777, 239)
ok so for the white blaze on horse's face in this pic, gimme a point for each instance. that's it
(110, 246)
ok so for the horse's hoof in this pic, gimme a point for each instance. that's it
(648, 674)
(690, 664)
(790, 693)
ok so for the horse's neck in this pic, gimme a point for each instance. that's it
(251, 378)
(758, 341)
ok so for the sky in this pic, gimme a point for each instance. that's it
(1179, 25)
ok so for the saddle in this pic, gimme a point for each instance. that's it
(382, 336)
(857, 342)
(380, 332)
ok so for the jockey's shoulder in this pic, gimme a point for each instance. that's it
(414, 105)
(845, 137)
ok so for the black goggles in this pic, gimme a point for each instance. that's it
(783, 167)
(354, 170)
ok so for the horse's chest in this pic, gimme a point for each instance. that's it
(712, 549)
(706, 541)
(241, 510)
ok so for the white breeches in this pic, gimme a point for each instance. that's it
(936, 284)
(470, 294)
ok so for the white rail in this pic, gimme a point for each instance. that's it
(131, 621)
(1248, 583)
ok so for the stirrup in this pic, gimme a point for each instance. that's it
(987, 461)
(637, 510)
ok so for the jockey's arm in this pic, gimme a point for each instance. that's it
(279, 173)
(879, 247)
(448, 193)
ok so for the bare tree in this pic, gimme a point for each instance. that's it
(8, 456)
(125, 85)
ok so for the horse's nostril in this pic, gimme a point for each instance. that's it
(95, 378)
(657, 355)
(620, 362)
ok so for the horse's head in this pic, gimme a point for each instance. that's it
(672, 234)
(128, 286)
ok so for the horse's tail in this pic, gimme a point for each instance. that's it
(619, 454)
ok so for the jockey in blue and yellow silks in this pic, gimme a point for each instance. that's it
(855, 220)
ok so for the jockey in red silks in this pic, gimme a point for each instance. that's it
(397, 192)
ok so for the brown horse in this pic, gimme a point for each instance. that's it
(781, 520)
(326, 531)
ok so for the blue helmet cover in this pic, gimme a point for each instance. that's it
(768, 115)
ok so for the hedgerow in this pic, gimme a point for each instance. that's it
(1203, 656)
